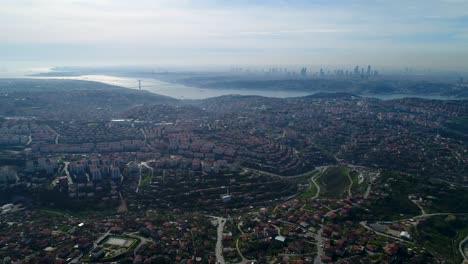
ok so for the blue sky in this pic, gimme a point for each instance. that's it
(421, 34)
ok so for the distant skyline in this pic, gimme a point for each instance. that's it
(387, 34)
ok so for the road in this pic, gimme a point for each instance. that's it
(277, 229)
(419, 206)
(369, 187)
(318, 238)
(364, 224)
(146, 139)
(350, 194)
(143, 241)
(243, 259)
(288, 177)
(319, 168)
(219, 241)
(313, 180)
(452, 183)
(95, 244)
(123, 205)
(460, 248)
(144, 164)
(139, 179)
(65, 169)
(422, 216)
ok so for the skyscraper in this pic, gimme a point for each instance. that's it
(356, 70)
(304, 72)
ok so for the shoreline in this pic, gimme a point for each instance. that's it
(183, 92)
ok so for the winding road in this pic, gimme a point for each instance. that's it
(243, 259)
(419, 206)
(461, 249)
(314, 181)
(364, 224)
(143, 241)
(321, 168)
(350, 194)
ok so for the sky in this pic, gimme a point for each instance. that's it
(399, 33)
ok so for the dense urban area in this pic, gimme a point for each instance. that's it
(98, 173)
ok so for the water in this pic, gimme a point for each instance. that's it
(19, 69)
(180, 91)
(177, 90)
(22, 70)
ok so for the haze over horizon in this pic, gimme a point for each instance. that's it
(389, 34)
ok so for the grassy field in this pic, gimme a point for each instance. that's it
(459, 124)
(65, 228)
(146, 179)
(438, 197)
(51, 213)
(113, 252)
(334, 182)
(442, 234)
(309, 193)
(312, 191)
(396, 204)
(446, 198)
(456, 128)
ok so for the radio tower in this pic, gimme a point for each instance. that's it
(139, 84)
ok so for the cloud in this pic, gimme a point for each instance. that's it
(279, 30)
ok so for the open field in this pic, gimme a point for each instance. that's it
(442, 234)
(121, 242)
(334, 182)
(145, 181)
(114, 247)
(435, 197)
(312, 190)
